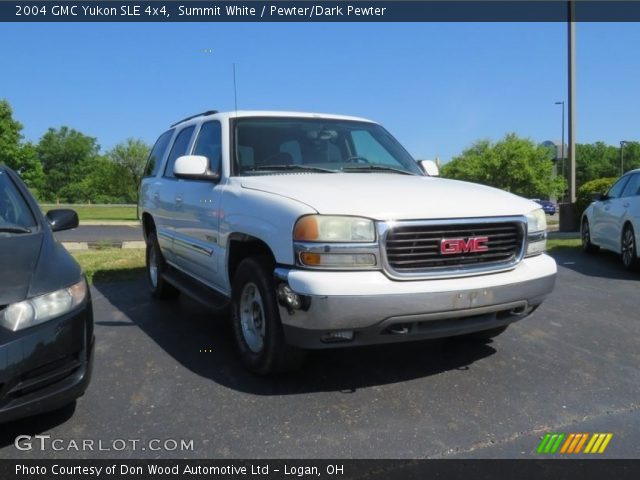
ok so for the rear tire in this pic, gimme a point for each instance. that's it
(585, 236)
(156, 266)
(629, 249)
(256, 320)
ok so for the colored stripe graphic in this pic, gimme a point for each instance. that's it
(574, 442)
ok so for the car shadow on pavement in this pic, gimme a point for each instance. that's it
(35, 425)
(202, 342)
(602, 264)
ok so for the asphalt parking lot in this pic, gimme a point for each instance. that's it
(572, 367)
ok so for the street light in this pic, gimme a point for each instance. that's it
(622, 144)
(562, 144)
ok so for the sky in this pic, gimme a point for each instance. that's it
(438, 87)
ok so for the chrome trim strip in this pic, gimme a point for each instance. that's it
(193, 246)
(384, 228)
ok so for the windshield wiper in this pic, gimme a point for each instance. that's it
(303, 168)
(11, 228)
(375, 168)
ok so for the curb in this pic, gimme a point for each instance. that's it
(108, 223)
(564, 235)
(79, 246)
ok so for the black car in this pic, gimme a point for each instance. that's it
(548, 206)
(46, 317)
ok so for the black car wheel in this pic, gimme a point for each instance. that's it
(585, 235)
(256, 320)
(156, 266)
(629, 251)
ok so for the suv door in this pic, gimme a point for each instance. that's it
(630, 205)
(170, 211)
(196, 237)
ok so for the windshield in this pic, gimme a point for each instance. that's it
(15, 215)
(269, 145)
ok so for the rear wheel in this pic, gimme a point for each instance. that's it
(256, 320)
(629, 250)
(156, 266)
(585, 235)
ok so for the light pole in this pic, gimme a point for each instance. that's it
(562, 157)
(622, 144)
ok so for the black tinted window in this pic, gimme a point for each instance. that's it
(209, 144)
(616, 190)
(633, 187)
(179, 148)
(157, 153)
(14, 211)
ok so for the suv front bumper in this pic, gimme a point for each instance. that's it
(380, 310)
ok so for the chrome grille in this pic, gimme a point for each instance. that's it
(413, 248)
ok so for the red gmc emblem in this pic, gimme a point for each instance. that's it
(450, 246)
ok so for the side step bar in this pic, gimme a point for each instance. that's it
(196, 290)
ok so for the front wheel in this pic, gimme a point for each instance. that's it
(256, 320)
(629, 251)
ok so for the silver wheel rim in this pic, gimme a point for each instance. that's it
(153, 267)
(628, 247)
(252, 318)
(585, 234)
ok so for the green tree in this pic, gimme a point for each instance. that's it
(130, 157)
(515, 164)
(20, 157)
(67, 157)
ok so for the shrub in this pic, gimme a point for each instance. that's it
(586, 191)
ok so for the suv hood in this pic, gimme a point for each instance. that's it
(383, 196)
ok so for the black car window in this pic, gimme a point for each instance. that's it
(633, 186)
(14, 210)
(616, 190)
(157, 154)
(179, 148)
(209, 144)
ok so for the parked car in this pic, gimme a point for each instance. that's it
(46, 318)
(612, 221)
(548, 206)
(322, 231)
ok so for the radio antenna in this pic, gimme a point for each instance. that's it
(235, 90)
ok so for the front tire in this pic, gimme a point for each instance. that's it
(156, 266)
(585, 236)
(256, 320)
(629, 249)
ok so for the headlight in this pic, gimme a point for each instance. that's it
(536, 232)
(536, 221)
(330, 228)
(37, 310)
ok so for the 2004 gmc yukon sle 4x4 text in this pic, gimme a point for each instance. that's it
(322, 231)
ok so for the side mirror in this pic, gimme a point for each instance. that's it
(62, 219)
(194, 167)
(429, 167)
(596, 197)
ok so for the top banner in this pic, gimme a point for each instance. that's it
(321, 11)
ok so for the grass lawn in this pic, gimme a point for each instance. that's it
(111, 264)
(559, 243)
(99, 212)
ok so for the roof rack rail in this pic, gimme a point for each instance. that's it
(208, 112)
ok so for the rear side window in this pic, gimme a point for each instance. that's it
(157, 153)
(179, 148)
(633, 187)
(209, 144)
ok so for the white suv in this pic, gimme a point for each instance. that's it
(322, 231)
